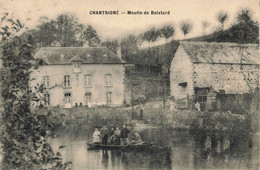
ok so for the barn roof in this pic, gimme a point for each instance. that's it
(203, 52)
(88, 55)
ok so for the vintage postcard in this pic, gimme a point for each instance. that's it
(122, 84)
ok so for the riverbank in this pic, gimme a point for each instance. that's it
(82, 118)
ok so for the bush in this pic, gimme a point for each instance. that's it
(82, 117)
(187, 118)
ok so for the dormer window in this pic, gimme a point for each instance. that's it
(76, 67)
(76, 61)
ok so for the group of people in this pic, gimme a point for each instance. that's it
(115, 136)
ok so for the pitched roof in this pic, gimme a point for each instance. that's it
(76, 58)
(204, 52)
(88, 55)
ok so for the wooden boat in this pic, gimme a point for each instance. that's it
(131, 147)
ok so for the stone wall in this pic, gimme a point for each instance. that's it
(232, 78)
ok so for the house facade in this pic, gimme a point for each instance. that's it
(200, 71)
(77, 76)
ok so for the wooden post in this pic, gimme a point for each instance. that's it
(164, 96)
(257, 90)
(187, 101)
(131, 90)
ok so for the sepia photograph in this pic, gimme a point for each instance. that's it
(129, 85)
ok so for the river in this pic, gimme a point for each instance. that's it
(189, 150)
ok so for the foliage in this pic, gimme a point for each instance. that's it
(161, 54)
(244, 30)
(83, 118)
(222, 17)
(62, 30)
(66, 27)
(205, 25)
(65, 31)
(129, 46)
(24, 132)
(43, 32)
(186, 27)
(91, 37)
(167, 31)
(112, 44)
(188, 118)
(151, 35)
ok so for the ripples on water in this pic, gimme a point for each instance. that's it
(204, 150)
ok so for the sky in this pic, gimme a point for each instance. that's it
(116, 26)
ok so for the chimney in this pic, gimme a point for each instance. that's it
(118, 52)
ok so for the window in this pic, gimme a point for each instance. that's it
(109, 97)
(108, 80)
(66, 81)
(184, 84)
(77, 67)
(67, 97)
(46, 81)
(87, 80)
(46, 99)
(88, 98)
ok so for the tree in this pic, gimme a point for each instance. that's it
(245, 16)
(42, 33)
(91, 37)
(23, 131)
(151, 35)
(66, 29)
(186, 27)
(167, 31)
(222, 17)
(129, 46)
(245, 30)
(80, 28)
(205, 25)
(112, 45)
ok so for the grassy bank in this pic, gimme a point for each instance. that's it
(82, 118)
(189, 119)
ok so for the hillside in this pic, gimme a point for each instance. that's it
(245, 33)
(154, 56)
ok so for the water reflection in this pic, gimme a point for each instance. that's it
(189, 150)
(105, 158)
(221, 150)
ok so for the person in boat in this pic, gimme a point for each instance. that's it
(104, 135)
(96, 136)
(197, 106)
(136, 139)
(116, 136)
(111, 134)
(124, 135)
